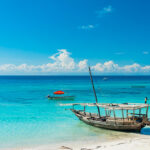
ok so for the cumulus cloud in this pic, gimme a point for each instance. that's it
(108, 66)
(131, 68)
(104, 11)
(62, 62)
(83, 65)
(111, 67)
(146, 68)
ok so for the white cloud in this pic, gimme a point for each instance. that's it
(104, 11)
(111, 67)
(98, 67)
(7, 67)
(87, 27)
(108, 66)
(131, 68)
(83, 65)
(62, 62)
(146, 68)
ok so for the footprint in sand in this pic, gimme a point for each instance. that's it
(65, 147)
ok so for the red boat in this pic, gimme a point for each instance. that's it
(60, 97)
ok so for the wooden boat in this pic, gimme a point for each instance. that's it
(130, 120)
(61, 97)
(126, 122)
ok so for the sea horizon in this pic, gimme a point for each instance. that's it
(83, 75)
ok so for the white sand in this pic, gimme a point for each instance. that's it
(138, 142)
(141, 142)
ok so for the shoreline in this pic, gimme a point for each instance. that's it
(134, 142)
(139, 142)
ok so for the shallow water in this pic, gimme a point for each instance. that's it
(28, 118)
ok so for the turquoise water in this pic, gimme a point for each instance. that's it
(28, 118)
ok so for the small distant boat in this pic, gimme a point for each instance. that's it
(60, 97)
(105, 78)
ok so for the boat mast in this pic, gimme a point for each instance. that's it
(94, 91)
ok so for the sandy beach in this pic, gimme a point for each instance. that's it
(141, 142)
(138, 142)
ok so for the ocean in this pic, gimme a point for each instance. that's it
(29, 119)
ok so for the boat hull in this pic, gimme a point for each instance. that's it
(61, 98)
(106, 125)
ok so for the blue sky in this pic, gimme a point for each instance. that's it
(111, 35)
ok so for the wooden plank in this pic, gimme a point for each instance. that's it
(133, 115)
(127, 115)
(140, 112)
(114, 115)
(147, 112)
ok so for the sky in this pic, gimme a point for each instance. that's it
(48, 37)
